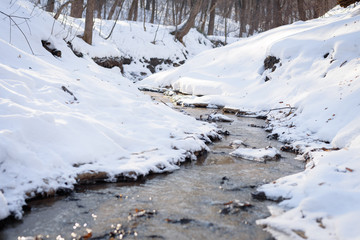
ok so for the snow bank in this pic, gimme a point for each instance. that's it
(62, 117)
(4, 210)
(316, 83)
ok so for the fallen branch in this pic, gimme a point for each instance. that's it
(277, 109)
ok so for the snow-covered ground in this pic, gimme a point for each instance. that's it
(62, 117)
(130, 40)
(316, 84)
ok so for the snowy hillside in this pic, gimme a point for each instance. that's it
(312, 75)
(142, 51)
(65, 119)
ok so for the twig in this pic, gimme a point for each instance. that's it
(115, 23)
(276, 109)
(12, 20)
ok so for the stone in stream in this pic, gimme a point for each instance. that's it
(181, 221)
(235, 207)
(261, 196)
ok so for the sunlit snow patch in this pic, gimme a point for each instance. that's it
(258, 154)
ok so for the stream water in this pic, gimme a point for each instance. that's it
(202, 200)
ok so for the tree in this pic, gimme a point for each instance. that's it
(89, 21)
(153, 6)
(211, 25)
(99, 6)
(50, 5)
(184, 29)
(112, 9)
(302, 13)
(77, 8)
(64, 5)
(133, 12)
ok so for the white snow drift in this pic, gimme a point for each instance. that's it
(317, 86)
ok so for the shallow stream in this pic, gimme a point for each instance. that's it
(202, 200)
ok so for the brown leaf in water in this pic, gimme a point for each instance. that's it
(87, 236)
(228, 203)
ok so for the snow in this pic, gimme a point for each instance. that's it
(4, 211)
(316, 86)
(131, 41)
(48, 138)
(260, 154)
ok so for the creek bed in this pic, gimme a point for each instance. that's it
(202, 200)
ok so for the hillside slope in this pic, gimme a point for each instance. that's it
(65, 119)
(312, 74)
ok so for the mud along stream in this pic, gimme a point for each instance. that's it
(206, 199)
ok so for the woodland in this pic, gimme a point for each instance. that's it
(212, 17)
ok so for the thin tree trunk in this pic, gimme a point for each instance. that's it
(277, 13)
(77, 7)
(99, 7)
(61, 8)
(211, 26)
(147, 5)
(112, 9)
(152, 20)
(302, 13)
(195, 8)
(50, 6)
(89, 21)
(132, 16)
(116, 19)
(243, 23)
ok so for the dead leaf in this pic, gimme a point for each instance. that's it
(87, 236)
(349, 169)
(319, 221)
(300, 233)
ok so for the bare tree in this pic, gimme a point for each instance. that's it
(133, 12)
(113, 8)
(153, 9)
(89, 21)
(77, 8)
(50, 6)
(302, 13)
(211, 25)
(61, 8)
(184, 29)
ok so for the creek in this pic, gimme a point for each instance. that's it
(205, 199)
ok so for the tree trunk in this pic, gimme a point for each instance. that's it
(77, 8)
(89, 21)
(243, 13)
(99, 7)
(133, 12)
(211, 26)
(61, 8)
(147, 5)
(50, 6)
(112, 9)
(277, 14)
(152, 20)
(302, 13)
(195, 8)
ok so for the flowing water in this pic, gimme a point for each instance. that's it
(202, 200)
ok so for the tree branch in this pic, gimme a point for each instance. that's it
(12, 20)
